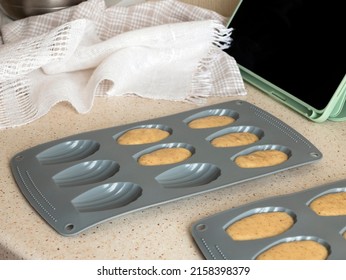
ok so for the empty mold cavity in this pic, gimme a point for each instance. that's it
(107, 197)
(143, 138)
(260, 223)
(264, 161)
(212, 112)
(164, 146)
(296, 248)
(86, 173)
(329, 203)
(68, 151)
(237, 129)
(189, 175)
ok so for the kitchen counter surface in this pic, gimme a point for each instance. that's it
(159, 232)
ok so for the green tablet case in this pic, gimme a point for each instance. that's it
(335, 109)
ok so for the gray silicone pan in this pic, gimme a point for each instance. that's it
(211, 237)
(79, 181)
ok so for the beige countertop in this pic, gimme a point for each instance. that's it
(159, 232)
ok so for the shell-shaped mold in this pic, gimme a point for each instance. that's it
(236, 129)
(213, 112)
(107, 197)
(281, 148)
(86, 173)
(321, 251)
(164, 146)
(329, 203)
(260, 223)
(254, 149)
(68, 151)
(189, 175)
(157, 126)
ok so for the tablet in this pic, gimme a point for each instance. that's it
(293, 50)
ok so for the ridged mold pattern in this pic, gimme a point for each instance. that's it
(189, 175)
(91, 177)
(107, 197)
(86, 173)
(68, 151)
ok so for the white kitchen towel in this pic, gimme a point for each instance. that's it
(159, 49)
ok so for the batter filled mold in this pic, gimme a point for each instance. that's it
(309, 234)
(82, 180)
(262, 156)
(168, 154)
(259, 133)
(261, 223)
(330, 203)
(230, 116)
(144, 134)
(296, 248)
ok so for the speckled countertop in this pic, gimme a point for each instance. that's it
(159, 232)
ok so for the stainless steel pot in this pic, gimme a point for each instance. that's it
(17, 9)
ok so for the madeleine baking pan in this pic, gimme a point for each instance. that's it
(79, 181)
(212, 239)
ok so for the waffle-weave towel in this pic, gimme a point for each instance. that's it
(158, 49)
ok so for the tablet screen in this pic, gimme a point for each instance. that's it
(297, 45)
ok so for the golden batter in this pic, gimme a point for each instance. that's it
(234, 139)
(139, 136)
(164, 156)
(211, 121)
(296, 250)
(261, 159)
(260, 225)
(332, 204)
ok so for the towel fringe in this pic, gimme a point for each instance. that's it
(222, 36)
(202, 82)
